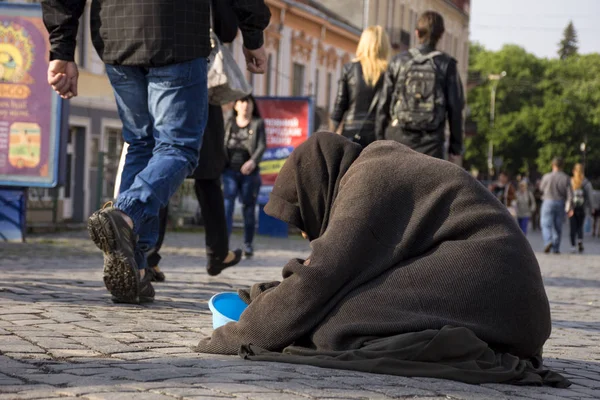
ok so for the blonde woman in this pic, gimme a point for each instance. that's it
(579, 206)
(360, 85)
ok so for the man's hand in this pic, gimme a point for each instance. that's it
(454, 159)
(571, 213)
(62, 76)
(256, 60)
(248, 167)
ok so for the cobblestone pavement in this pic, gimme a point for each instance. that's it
(60, 335)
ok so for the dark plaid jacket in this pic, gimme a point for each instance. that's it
(147, 33)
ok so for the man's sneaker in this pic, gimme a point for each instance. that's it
(248, 250)
(111, 233)
(215, 266)
(580, 247)
(573, 250)
(548, 248)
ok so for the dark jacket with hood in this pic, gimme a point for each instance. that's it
(430, 143)
(354, 98)
(411, 258)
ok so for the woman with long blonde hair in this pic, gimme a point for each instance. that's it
(579, 206)
(360, 85)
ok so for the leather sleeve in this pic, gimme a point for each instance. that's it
(261, 142)
(455, 103)
(342, 101)
(382, 118)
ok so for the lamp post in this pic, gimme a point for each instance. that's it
(495, 79)
(584, 149)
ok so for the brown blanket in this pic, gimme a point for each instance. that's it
(402, 244)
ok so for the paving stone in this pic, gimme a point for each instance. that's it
(126, 396)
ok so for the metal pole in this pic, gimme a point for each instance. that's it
(495, 78)
(366, 7)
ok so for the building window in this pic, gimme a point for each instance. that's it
(113, 146)
(329, 84)
(298, 83)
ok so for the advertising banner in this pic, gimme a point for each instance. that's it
(288, 123)
(30, 112)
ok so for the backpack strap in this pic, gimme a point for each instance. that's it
(420, 57)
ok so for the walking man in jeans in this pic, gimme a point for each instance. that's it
(555, 187)
(155, 54)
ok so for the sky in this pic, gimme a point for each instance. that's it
(536, 25)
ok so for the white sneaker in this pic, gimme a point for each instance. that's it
(574, 250)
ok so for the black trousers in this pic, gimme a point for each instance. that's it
(576, 222)
(212, 208)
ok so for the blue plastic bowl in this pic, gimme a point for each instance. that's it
(226, 307)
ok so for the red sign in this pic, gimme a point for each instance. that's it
(287, 125)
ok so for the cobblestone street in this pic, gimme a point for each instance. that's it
(61, 336)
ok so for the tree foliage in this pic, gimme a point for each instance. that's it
(568, 45)
(544, 108)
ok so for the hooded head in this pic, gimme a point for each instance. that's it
(308, 183)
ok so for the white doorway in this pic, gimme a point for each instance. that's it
(71, 163)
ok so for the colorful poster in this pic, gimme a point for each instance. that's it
(29, 109)
(288, 123)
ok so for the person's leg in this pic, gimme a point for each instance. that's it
(230, 193)
(109, 228)
(572, 229)
(153, 257)
(523, 223)
(546, 222)
(177, 100)
(212, 206)
(580, 216)
(558, 221)
(250, 187)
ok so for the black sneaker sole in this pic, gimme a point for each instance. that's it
(121, 277)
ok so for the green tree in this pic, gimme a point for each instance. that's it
(517, 97)
(544, 108)
(568, 45)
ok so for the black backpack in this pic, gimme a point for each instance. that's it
(420, 101)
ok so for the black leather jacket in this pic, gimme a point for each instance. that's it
(354, 98)
(453, 89)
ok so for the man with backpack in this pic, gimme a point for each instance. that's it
(422, 88)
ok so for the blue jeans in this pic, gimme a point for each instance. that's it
(164, 112)
(523, 224)
(246, 187)
(553, 216)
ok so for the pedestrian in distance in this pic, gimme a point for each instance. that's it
(525, 206)
(359, 89)
(556, 192)
(245, 144)
(579, 207)
(421, 91)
